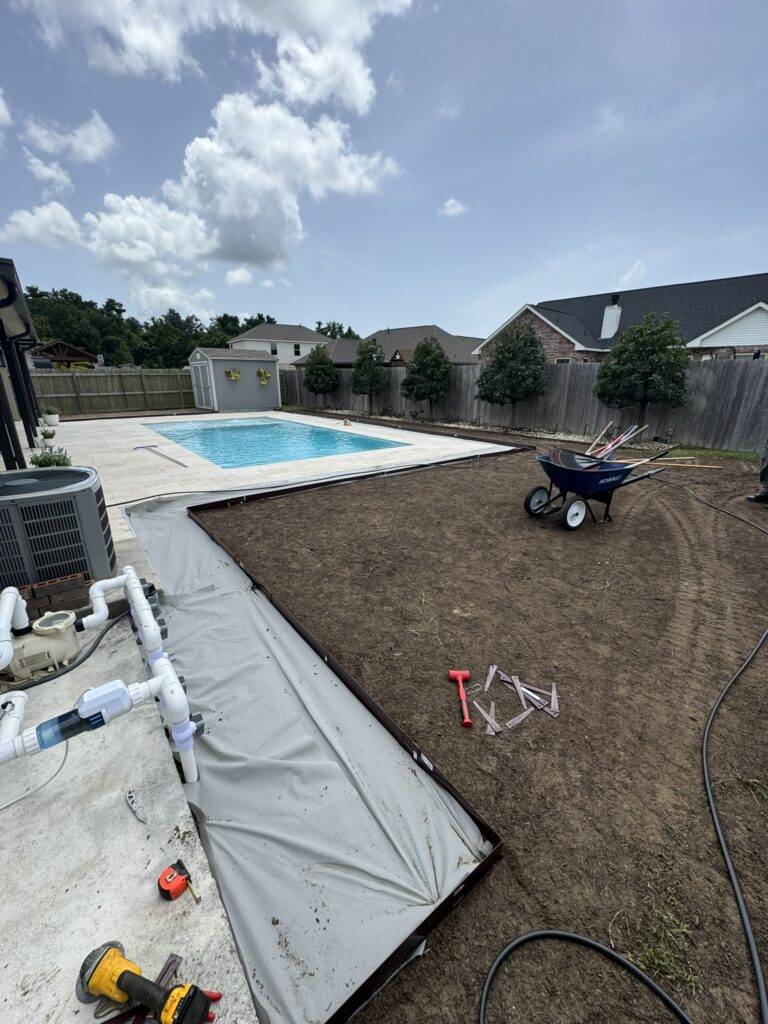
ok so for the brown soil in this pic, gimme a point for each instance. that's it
(602, 810)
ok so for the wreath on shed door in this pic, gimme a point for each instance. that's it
(233, 375)
(264, 377)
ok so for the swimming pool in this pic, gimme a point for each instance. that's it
(232, 444)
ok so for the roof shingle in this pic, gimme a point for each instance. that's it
(698, 307)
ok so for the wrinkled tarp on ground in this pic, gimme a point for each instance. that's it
(329, 844)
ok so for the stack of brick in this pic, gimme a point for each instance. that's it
(69, 593)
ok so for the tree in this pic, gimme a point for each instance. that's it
(646, 366)
(320, 375)
(368, 375)
(335, 329)
(429, 373)
(164, 341)
(516, 369)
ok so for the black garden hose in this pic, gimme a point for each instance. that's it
(612, 955)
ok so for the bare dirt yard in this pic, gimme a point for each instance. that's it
(602, 811)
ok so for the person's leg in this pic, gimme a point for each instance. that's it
(761, 498)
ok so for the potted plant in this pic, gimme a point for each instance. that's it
(51, 416)
(51, 457)
(47, 435)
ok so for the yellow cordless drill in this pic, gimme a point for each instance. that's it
(107, 972)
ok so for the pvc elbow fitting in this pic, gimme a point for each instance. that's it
(13, 616)
(97, 597)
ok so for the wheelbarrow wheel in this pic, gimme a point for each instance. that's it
(535, 500)
(575, 513)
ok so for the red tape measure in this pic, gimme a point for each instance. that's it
(173, 881)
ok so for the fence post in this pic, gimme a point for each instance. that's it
(143, 387)
(76, 388)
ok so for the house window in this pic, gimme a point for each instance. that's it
(565, 359)
(273, 348)
(297, 350)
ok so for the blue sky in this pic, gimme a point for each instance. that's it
(382, 162)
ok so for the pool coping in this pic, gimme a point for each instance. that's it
(409, 947)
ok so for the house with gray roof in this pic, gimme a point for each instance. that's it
(725, 318)
(289, 342)
(398, 345)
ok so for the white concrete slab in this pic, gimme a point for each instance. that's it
(127, 474)
(79, 869)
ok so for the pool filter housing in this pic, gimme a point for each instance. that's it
(53, 523)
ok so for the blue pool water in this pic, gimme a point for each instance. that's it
(256, 442)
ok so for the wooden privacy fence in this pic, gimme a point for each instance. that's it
(82, 392)
(727, 404)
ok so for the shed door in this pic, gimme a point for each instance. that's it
(201, 385)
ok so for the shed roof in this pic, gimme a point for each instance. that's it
(230, 356)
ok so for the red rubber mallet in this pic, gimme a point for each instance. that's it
(461, 676)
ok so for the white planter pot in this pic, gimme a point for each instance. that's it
(51, 419)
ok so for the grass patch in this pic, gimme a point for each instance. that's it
(758, 789)
(662, 941)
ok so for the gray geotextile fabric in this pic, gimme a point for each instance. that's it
(330, 846)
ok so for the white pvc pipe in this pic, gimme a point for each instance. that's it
(164, 684)
(142, 614)
(175, 709)
(13, 716)
(13, 615)
(97, 595)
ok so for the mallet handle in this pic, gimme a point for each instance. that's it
(466, 721)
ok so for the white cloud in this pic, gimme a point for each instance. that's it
(309, 73)
(157, 298)
(90, 141)
(610, 120)
(633, 276)
(452, 208)
(240, 275)
(450, 111)
(319, 44)
(147, 238)
(50, 224)
(247, 175)
(56, 181)
(268, 283)
(237, 199)
(5, 114)
(394, 81)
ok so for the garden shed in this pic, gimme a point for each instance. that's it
(224, 380)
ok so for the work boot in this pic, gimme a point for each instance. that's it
(759, 499)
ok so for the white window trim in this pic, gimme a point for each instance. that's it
(698, 342)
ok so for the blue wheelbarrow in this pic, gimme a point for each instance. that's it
(576, 480)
